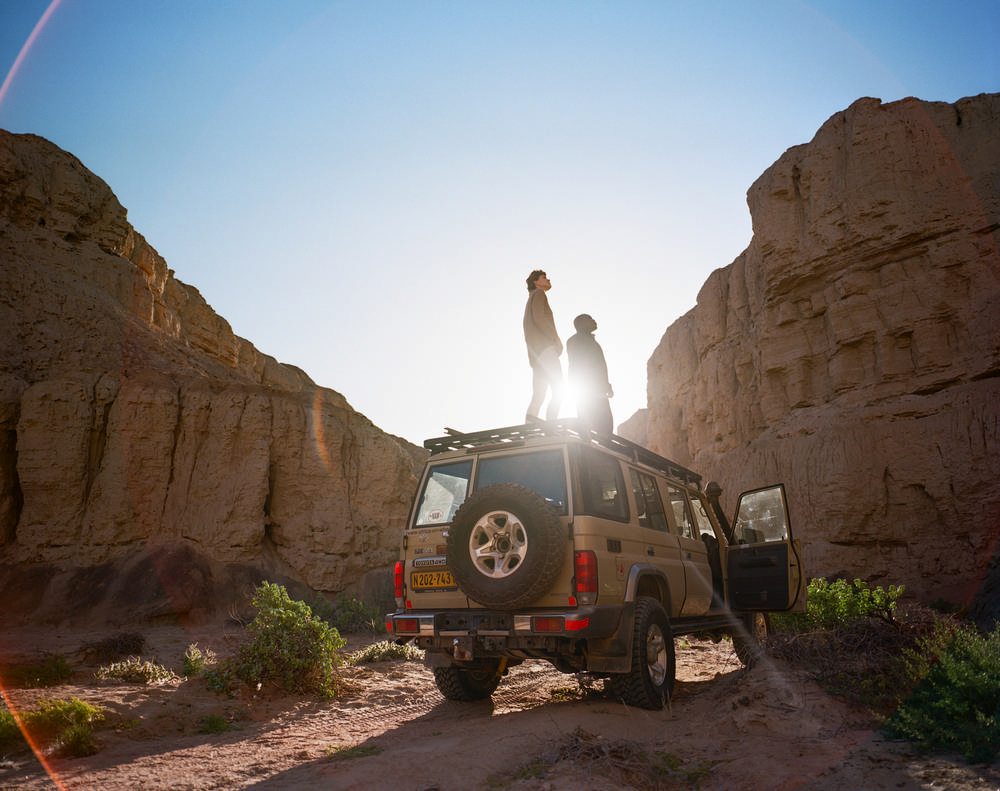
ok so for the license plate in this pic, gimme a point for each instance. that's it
(432, 580)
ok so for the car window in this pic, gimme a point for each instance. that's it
(545, 472)
(444, 491)
(682, 511)
(647, 500)
(603, 487)
(762, 516)
(701, 517)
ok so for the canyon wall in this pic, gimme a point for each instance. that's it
(852, 351)
(138, 432)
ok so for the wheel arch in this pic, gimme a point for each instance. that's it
(648, 580)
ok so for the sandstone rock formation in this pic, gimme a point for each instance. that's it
(853, 350)
(134, 425)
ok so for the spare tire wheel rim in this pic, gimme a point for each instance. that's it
(498, 544)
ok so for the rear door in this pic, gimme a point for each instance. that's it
(763, 561)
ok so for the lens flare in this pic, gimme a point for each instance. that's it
(27, 46)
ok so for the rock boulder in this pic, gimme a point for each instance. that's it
(134, 425)
(853, 350)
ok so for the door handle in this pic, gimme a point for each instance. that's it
(650, 551)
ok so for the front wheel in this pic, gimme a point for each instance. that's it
(650, 682)
(472, 682)
(748, 634)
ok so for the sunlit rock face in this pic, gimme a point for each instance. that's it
(853, 350)
(133, 420)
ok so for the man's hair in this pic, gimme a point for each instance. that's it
(533, 277)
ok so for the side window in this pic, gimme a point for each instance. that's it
(701, 517)
(647, 500)
(682, 511)
(444, 491)
(603, 487)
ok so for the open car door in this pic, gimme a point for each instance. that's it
(764, 562)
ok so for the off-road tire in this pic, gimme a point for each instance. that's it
(650, 682)
(506, 546)
(475, 682)
(752, 628)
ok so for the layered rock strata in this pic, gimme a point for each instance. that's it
(853, 349)
(132, 418)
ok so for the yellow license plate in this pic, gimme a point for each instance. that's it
(431, 580)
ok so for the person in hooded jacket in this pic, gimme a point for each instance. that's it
(588, 374)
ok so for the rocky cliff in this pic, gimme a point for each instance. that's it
(139, 437)
(853, 350)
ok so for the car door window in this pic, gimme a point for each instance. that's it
(647, 501)
(701, 517)
(761, 517)
(682, 511)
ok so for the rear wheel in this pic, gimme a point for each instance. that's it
(650, 682)
(470, 682)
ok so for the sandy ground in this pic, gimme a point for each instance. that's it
(727, 728)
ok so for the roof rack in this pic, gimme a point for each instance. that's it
(516, 435)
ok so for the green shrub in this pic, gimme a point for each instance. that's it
(195, 661)
(135, 671)
(54, 670)
(839, 604)
(384, 651)
(214, 723)
(956, 705)
(290, 648)
(349, 615)
(10, 731)
(65, 725)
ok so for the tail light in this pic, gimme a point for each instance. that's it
(399, 583)
(585, 569)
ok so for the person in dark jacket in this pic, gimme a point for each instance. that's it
(588, 374)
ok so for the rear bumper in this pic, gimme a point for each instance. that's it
(583, 638)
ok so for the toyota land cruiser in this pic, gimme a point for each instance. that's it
(591, 552)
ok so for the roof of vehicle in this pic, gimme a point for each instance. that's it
(514, 436)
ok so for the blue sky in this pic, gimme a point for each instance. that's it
(360, 188)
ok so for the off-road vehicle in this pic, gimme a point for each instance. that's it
(591, 552)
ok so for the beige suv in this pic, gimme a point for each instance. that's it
(591, 552)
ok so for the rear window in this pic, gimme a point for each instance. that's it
(445, 490)
(545, 472)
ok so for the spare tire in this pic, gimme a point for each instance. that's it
(506, 546)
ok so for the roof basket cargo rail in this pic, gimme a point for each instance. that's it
(516, 435)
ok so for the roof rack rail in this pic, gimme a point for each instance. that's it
(515, 435)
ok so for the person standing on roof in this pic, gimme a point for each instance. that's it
(544, 348)
(588, 373)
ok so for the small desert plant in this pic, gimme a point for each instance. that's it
(53, 670)
(64, 725)
(135, 671)
(290, 648)
(384, 651)
(195, 661)
(956, 704)
(214, 723)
